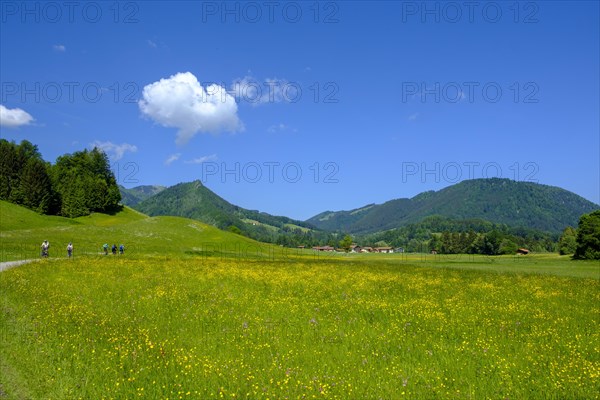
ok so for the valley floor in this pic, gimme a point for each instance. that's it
(298, 327)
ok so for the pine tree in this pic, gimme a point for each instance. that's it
(36, 186)
(8, 168)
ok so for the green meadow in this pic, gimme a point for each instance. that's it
(190, 311)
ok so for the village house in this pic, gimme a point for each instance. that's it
(323, 248)
(360, 249)
(383, 250)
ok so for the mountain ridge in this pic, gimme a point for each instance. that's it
(534, 205)
(132, 196)
(501, 201)
(194, 200)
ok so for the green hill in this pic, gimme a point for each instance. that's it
(22, 231)
(131, 197)
(503, 201)
(196, 201)
(191, 200)
(15, 217)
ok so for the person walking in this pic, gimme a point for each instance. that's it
(70, 250)
(45, 249)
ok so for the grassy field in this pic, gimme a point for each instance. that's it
(22, 232)
(194, 312)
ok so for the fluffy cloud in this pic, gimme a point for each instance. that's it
(181, 102)
(14, 117)
(115, 151)
(60, 48)
(200, 160)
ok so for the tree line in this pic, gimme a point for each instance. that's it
(470, 236)
(76, 185)
(448, 236)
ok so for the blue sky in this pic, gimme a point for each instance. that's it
(294, 108)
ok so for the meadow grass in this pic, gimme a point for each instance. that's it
(14, 217)
(194, 312)
(161, 327)
(22, 232)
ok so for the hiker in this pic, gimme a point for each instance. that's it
(105, 248)
(114, 249)
(45, 247)
(121, 249)
(70, 250)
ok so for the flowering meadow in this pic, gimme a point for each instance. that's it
(294, 328)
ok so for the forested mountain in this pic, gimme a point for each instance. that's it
(196, 201)
(131, 197)
(502, 201)
(77, 184)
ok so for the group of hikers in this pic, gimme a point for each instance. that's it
(113, 249)
(46, 249)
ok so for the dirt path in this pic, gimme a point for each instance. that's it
(9, 264)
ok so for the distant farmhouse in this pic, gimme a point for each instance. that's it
(323, 248)
(359, 249)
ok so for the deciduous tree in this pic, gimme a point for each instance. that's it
(568, 241)
(588, 237)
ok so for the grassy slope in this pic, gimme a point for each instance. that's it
(141, 235)
(22, 231)
(13, 217)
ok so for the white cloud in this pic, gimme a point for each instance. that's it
(60, 48)
(271, 90)
(14, 117)
(200, 160)
(181, 102)
(151, 43)
(115, 151)
(413, 117)
(172, 158)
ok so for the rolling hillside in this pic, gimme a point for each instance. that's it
(196, 201)
(23, 230)
(504, 201)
